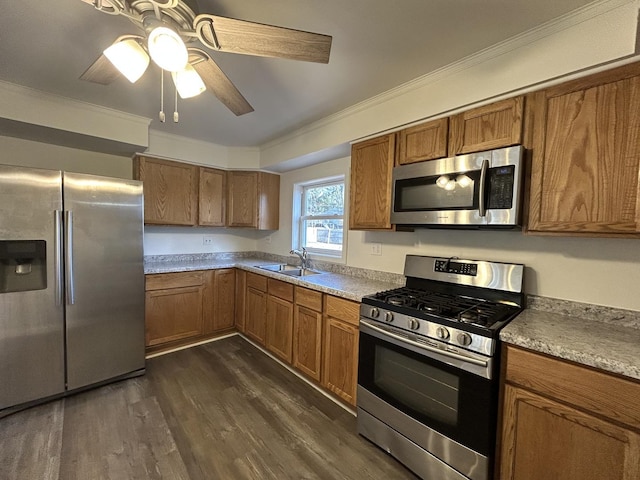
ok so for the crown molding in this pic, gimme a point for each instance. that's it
(59, 101)
(547, 29)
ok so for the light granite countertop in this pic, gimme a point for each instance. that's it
(613, 346)
(338, 284)
(600, 337)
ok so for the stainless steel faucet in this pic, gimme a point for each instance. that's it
(304, 256)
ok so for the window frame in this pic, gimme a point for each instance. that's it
(298, 237)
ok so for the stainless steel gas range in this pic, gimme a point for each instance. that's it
(429, 362)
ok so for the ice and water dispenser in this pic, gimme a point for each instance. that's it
(23, 265)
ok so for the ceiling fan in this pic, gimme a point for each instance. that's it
(171, 28)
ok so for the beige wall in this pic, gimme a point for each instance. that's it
(26, 153)
(592, 270)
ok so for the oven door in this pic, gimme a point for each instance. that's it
(460, 406)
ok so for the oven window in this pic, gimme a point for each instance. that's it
(449, 400)
(457, 191)
(421, 387)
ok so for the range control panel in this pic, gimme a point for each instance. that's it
(449, 266)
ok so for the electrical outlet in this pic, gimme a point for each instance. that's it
(207, 240)
(268, 239)
(376, 249)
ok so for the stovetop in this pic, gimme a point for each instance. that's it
(454, 303)
(432, 305)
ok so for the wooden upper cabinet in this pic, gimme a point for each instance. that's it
(170, 191)
(427, 141)
(253, 200)
(212, 197)
(586, 156)
(372, 164)
(490, 126)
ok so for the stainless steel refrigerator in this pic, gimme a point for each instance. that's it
(71, 283)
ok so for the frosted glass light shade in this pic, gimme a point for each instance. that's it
(129, 58)
(188, 82)
(167, 49)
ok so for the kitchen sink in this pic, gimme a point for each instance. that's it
(291, 270)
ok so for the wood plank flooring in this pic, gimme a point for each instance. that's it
(223, 410)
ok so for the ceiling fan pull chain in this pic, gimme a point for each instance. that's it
(162, 96)
(175, 112)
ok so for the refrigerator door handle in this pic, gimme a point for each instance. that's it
(68, 256)
(57, 256)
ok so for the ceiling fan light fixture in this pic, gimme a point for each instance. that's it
(188, 82)
(129, 58)
(167, 49)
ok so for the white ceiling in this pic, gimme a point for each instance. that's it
(377, 45)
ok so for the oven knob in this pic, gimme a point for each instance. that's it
(388, 317)
(375, 313)
(464, 339)
(442, 333)
(414, 324)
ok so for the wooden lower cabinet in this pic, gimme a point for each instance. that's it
(307, 332)
(173, 307)
(241, 289)
(256, 308)
(279, 337)
(340, 373)
(218, 300)
(279, 327)
(562, 421)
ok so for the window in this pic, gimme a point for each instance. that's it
(320, 221)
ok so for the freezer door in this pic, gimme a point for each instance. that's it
(31, 311)
(105, 278)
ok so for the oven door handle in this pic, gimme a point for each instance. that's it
(445, 353)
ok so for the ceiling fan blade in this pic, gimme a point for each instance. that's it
(101, 71)
(220, 85)
(249, 38)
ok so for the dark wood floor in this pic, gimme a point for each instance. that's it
(223, 410)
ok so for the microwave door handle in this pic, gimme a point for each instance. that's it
(483, 178)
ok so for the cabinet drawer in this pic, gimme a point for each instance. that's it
(595, 391)
(162, 281)
(345, 310)
(280, 289)
(257, 281)
(309, 298)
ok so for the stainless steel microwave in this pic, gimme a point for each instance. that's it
(475, 190)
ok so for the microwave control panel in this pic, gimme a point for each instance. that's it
(501, 180)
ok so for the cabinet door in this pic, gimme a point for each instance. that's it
(212, 199)
(218, 300)
(269, 201)
(307, 341)
(173, 314)
(586, 156)
(241, 285)
(547, 440)
(256, 315)
(279, 327)
(242, 199)
(340, 373)
(371, 168)
(427, 141)
(490, 126)
(170, 191)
